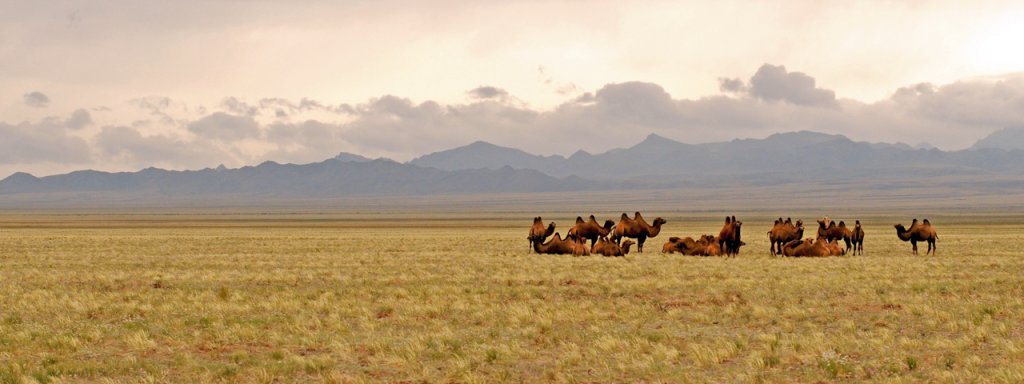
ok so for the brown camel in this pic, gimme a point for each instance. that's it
(591, 230)
(555, 246)
(918, 232)
(783, 232)
(857, 238)
(636, 228)
(828, 230)
(729, 237)
(579, 245)
(538, 233)
(834, 248)
(712, 248)
(607, 247)
(806, 248)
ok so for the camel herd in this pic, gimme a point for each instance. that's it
(785, 238)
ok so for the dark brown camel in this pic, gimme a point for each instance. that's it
(607, 247)
(918, 232)
(538, 233)
(857, 238)
(555, 246)
(636, 228)
(783, 232)
(591, 230)
(729, 237)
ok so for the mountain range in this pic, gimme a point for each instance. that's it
(805, 158)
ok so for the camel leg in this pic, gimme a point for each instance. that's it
(640, 243)
(913, 243)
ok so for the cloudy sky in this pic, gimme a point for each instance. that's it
(123, 85)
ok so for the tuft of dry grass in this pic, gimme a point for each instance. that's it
(188, 299)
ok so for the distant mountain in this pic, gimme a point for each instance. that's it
(330, 178)
(1006, 139)
(780, 157)
(351, 157)
(482, 155)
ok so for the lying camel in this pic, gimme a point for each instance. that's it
(591, 230)
(636, 228)
(579, 246)
(857, 238)
(783, 232)
(607, 247)
(729, 237)
(555, 246)
(828, 230)
(707, 245)
(807, 248)
(538, 233)
(918, 232)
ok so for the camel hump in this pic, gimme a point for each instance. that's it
(579, 219)
(624, 216)
(926, 222)
(842, 224)
(593, 218)
(727, 220)
(637, 216)
(673, 239)
(537, 219)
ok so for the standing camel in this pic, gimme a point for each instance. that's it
(857, 238)
(918, 232)
(783, 232)
(729, 237)
(591, 230)
(636, 228)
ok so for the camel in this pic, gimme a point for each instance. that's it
(918, 232)
(538, 233)
(555, 246)
(807, 248)
(783, 232)
(706, 245)
(834, 248)
(607, 247)
(579, 246)
(857, 238)
(591, 230)
(636, 228)
(829, 231)
(729, 236)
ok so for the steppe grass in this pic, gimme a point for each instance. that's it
(461, 300)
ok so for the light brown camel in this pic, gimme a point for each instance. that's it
(857, 238)
(834, 248)
(806, 248)
(579, 246)
(729, 237)
(607, 247)
(918, 232)
(538, 233)
(636, 228)
(555, 246)
(591, 230)
(784, 232)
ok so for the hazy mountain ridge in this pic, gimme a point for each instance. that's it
(794, 158)
(804, 152)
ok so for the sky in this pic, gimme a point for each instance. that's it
(124, 85)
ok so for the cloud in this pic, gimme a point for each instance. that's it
(46, 141)
(79, 119)
(127, 146)
(487, 92)
(225, 127)
(36, 99)
(774, 100)
(774, 83)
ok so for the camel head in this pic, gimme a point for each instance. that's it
(625, 246)
(800, 224)
(857, 224)
(658, 222)
(550, 230)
